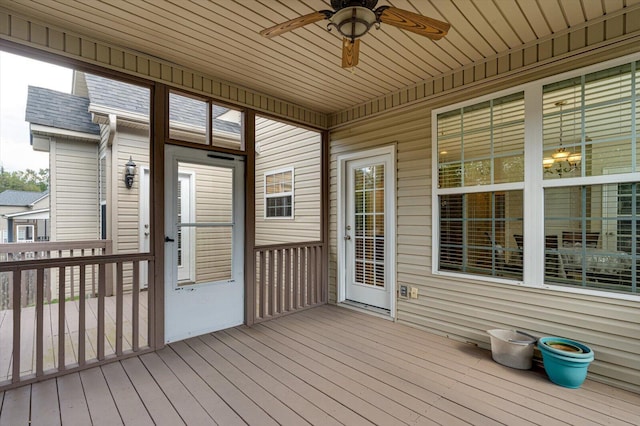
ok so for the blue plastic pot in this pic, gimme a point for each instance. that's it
(571, 348)
(565, 368)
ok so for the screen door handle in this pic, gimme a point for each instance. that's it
(168, 240)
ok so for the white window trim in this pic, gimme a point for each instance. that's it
(533, 184)
(279, 194)
(33, 233)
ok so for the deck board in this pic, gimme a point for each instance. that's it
(323, 366)
(153, 397)
(187, 407)
(73, 403)
(248, 410)
(102, 408)
(45, 410)
(130, 407)
(300, 405)
(206, 397)
(258, 355)
(15, 406)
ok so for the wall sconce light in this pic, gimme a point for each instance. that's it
(129, 172)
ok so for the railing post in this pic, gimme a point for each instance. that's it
(119, 307)
(62, 305)
(82, 314)
(101, 294)
(39, 321)
(17, 283)
(108, 249)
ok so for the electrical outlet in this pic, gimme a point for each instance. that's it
(403, 291)
(414, 292)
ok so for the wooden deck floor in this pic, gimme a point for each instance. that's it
(327, 365)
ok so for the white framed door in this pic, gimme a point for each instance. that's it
(366, 228)
(204, 228)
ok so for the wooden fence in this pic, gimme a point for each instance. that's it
(48, 250)
(288, 278)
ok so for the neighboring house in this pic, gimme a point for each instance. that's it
(24, 216)
(91, 134)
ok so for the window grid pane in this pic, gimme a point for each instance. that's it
(478, 233)
(595, 227)
(279, 194)
(482, 144)
(588, 124)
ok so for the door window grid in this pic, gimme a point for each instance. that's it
(369, 215)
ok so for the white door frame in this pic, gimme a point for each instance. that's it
(342, 160)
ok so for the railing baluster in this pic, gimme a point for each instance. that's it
(151, 306)
(277, 282)
(303, 276)
(272, 292)
(312, 275)
(287, 279)
(263, 285)
(17, 284)
(119, 307)
(62, 305)
(101, 292)
(296, 279)
(72, 280)
(135, 308)
(319, 275)
(82, 314)
(39, 321)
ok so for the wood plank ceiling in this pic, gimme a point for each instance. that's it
(220, 38)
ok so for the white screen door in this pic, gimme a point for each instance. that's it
(368, 219)
(204, 251)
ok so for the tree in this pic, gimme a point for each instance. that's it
(24, 180)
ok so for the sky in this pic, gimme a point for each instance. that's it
(16, 75)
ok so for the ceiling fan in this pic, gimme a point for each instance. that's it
(354, 18)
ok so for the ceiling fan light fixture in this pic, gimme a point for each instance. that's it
(353, 22)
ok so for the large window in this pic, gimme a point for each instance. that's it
(481, 145)
(566, 195)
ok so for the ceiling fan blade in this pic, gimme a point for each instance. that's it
(293, 24)
(413, 22)
(350, 53)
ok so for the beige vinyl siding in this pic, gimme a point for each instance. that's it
(74, 203)
(464, 309)
(125, 206)
(284, 146)
(43, 203)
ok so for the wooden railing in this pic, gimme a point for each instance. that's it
(288, 278)
(51, 338)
